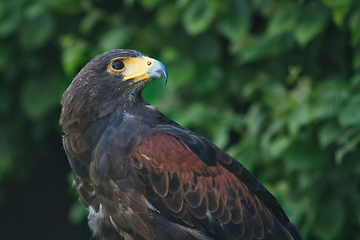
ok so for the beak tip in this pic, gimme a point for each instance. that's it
(165, 75)
(157, 70)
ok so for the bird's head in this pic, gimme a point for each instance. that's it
(110, 80)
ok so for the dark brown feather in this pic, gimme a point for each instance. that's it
(142, 176)
(205, 189)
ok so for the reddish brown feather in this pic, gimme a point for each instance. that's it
(190, 188)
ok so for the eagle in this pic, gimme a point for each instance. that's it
(143, 176)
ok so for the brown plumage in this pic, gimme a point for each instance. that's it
(143, 176)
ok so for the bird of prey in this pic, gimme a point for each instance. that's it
(143, 176)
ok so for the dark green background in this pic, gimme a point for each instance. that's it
(274, 83)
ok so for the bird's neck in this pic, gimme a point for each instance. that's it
(82, 112)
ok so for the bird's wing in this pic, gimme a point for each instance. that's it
(120, 205)
(190, 181)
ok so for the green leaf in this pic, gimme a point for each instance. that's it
(354, 23)
(254, 119)
(114, 38)
(237, 20)
(182, 73)
(349, 145)
(149, 4)
(279, 145)
(198, 16)
(267, 46)
(208, 50)
(330, 219)
(37, 30)
(328, 133)
(5, 100)
(339, 8)
(339, 14)
(221, 135)
(39, 97)
(355, 80)
(66, 7)
(168, 15)
(7, 153)
(89, 22)
(195, 114)
(277, 98)
(73, 54)
(314, 19)
(285, 19)
(303, 155)
(327, 101)
(154, 92)
(349, 115)
(299, 117)
(356, 58)
(10, 17)
(246, 152)
(77, 213)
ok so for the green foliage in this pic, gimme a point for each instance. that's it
(274, 83)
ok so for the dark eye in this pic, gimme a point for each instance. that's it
(118, 65)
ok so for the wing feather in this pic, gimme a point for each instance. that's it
(202, 195)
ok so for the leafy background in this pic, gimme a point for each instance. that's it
(274, 83)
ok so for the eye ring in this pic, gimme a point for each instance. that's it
(118, 65)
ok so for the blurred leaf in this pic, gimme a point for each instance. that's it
(168, 15)
(194, 115)
(221, 136)
(254, 119)
(182, 73)
(72, 54)
(208, 51)
(38, 97)
(340, 9)
(279, 145)
(299, 117)
(328, 99)
(339, 14)
(303, 155)
(10, 17)
(266, 47)
(113, 39)
(350, 113)
(355, 80)
(354, 24)
(149, 4)
(198, 16)
(69, 7)
(77, 213)
(37, 30)
(277, 98)
(5, 100)
(153, 93)
(285, 19)
(247, 153)
(328, 134)
(237, 21)
(330, 219)
(7, 153)
(349, 145)
(88, 22)
(313, 20)
(356, 59)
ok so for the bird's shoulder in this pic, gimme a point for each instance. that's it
(181, 176)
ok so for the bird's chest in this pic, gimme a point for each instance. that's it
(119, 140)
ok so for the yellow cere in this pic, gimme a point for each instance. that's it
(135, 68)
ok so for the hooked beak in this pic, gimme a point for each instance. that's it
(143, 69)
(157, 70)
